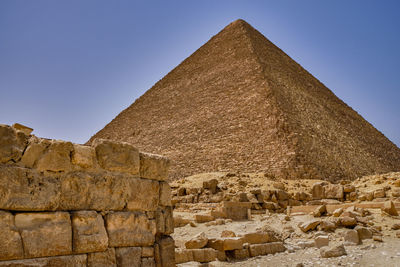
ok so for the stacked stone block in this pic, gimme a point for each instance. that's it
(64, 204)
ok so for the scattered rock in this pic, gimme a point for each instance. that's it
(389, 208)
(309, 225)
(330, 252)
(198, 241)
(321, 241)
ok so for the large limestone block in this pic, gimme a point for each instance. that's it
(57, 158)
(102, 259)
(117, 156)
(89, 191)
(204, 255)
(164, 220)
(153, 166)
(266, 248)
(34, 151)
(318, 191)
(83, 156)
(258, 238)
(183, 255)
(165, 194)
(89, 232)
(25, 129)
(12, 144)
(165, 251)
(309, 225)
(334, 191)
(236, 210)
(144, 194)
(334, 251)
(60, 261)
(129, 257)
(390, 208)
(130, 229)
(24, 189)
(10, 240)
(198, 241)
(148, 262)
(45, 234)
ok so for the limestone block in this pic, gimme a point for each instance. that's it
(129, 257)
(57, 158)
(204, 255)
(309, 225)
(25, 129)
(130, 229)
(321, 241)
(334, 191)
(153, 166)
(363, 232)
(211, 185)
(389, 208)
(11, 243)
(45, 234)
(102, 259)
(64, 261)
(198, 241)
(183, 255)
(34, 151)
(257, 238)
(164, 220)
(318, 191)
(347, 221)
(89, 232)
(147, 252)
(148, 262)
(236, 210)
(319, 211)
(202, 218)
(11, 144)
(165, 194)
(379, 193)
(144, 194)
(239, 254)
(266, 248)
(117, 156)
(233, 243)
(89, 191)
(23, 189)
(165, 252)
(83, 156)
(336, 251)
(351, 237)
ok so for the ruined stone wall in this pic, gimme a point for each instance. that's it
(63, 204)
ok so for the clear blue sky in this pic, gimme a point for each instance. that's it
(67, 68)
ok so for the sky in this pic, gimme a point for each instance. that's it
(67, 68)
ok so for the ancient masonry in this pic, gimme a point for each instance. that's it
(63, 204)
(239, 103)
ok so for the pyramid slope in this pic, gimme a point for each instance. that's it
(241, 104)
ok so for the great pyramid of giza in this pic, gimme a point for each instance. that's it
(239, 103)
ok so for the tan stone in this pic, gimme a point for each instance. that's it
(337, 212)
(23, 189)
(57, 157)
(25, 129)
(130, 229)
(319, 211)
(183, 255)
(238, 254)
(328, 225)
(204, 255)
(198, 241)
(11, 145)
(257, 238)
(117, 156)
(233, 243)
(34, 151)
(64, 261)
(351, 237)
(147, 252)
(164, 220)
(148, 262)
(228, 233)
(153, 166)
(165, 252)
(396, 192)
(348, 188)
(389, 208)
(129, 256)
(363, 232)
(309, 225)
(144, 194)
(89, 233)
(102, 259)
(336, 251)
(45, 234)
(211, 185)
(266, 248)
(179, 221)
(165, 194)
(321, 241)
(347, 221)
(334, 191)
(318, 191)
(83, 156)
(236, 210)
(202, 218)
(11, 243)
(379, 193)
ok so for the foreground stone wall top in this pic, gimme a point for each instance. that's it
(64, 204)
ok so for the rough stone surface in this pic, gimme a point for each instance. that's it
(89, 233)
(309, 225)
(389, 208)
(165, 252)
(267, 248)
(318, 191)
(102, 259)
(128, 256)
(204, 255)
(330, 252)
(83, 156)
(144, 194)
(183, 255)
(10, 240)
(11, 147)
(153, 166)
(130, 229)
(57, 157)
(148, 262)
(334, 191)
(120, 157)
(363, 232)
(60, 261)
(165, 194)
(321, 241)
(45, 234)
(33, 152)
(351, 237)
(257, 238)
(198, 241)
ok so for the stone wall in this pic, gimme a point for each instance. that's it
(64, 204)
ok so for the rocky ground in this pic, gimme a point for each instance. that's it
(288, 223)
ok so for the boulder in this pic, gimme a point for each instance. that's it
(363, 232)
(347, 221)
(334, 191)
(319, 211)
(321, 241)
(309, 225)
(351, 237)
(318, 190)
(198, 241)
(165, 194)
(335, 251)
(211, 185)
(390, 208)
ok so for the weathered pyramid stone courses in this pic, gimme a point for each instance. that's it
(239, 103)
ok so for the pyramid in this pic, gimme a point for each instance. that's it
(239, 103)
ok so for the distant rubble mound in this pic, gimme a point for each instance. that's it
(239, 103)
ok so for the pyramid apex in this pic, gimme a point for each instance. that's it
(239, 22)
